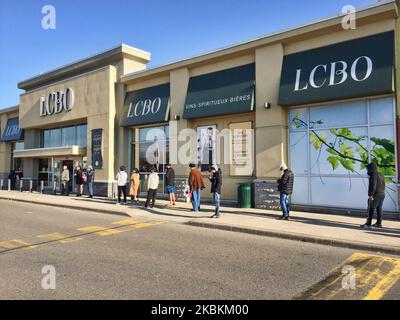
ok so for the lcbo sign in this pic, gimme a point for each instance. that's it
(144, 107)
(328, 73)
(57, 102)
(357, 68)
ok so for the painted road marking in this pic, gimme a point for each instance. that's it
(374, 276)
(127, 225)
(60, 237)
(16, 244)
(101, 231)
(127, 222)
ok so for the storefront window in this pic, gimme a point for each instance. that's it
(82, 135)
(55, 138)
(330, 147)
(66, 136)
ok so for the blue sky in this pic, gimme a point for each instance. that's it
(169, 29)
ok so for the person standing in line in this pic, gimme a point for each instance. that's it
(134, 185)
(376, 196)
(19, 175)
(152, 185)
(196, 184)
(90, 180)
(65, 181)
(285, 187)
(216, 185)
(78, 181)
(13, 179)
(122, 180)
(170, 181)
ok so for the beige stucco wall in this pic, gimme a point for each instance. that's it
(94, 104)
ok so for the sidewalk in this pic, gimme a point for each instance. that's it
(335, 230)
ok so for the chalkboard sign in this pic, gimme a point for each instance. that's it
(97, 157)
(181, 185)
(266, 195)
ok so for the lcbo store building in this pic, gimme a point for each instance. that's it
(320, 98)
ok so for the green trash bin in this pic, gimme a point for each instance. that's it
(244, 195)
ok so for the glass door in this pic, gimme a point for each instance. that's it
(152, 147)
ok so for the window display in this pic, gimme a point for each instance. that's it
(330, 147)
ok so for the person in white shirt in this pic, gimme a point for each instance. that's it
(122, 180)
(152, 185)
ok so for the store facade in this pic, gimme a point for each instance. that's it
(68, 117)
(320, 98)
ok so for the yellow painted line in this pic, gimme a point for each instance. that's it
(100, 230)
(360, 272)
(125, 222)
(60, 237)
(15, 244)
(374, 276)
(384, 284)
(349, 261)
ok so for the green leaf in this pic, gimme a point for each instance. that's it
(386, 143)
(334, 161)
(331, 151)
(347, 164)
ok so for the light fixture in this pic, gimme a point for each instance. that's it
(177, 117)
(267, 105)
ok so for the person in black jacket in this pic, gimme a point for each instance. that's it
(376, 195)
(285, 187)
(170, 182)
(13, 179)
(216, 184)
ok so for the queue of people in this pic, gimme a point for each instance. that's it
(86, 177)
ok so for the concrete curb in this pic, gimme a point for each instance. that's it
(300, 237)
(67, 206)
(267, 233)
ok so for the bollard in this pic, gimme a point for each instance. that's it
(55, 187)
(21, 185)
(30, 185)
(9, 184)
(41, 186)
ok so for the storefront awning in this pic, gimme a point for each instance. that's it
(12, 132)
(358, 68)
(223, 92)
(149, 105)
(50, 152)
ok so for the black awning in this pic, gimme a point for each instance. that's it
(222, 92)
(12, 132)
(149, 105)
(357, 68)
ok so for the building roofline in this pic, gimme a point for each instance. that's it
(119, 51)
(9, 109)
(281, 35)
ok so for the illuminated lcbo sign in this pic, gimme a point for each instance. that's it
(353, 69)
(57, 102)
